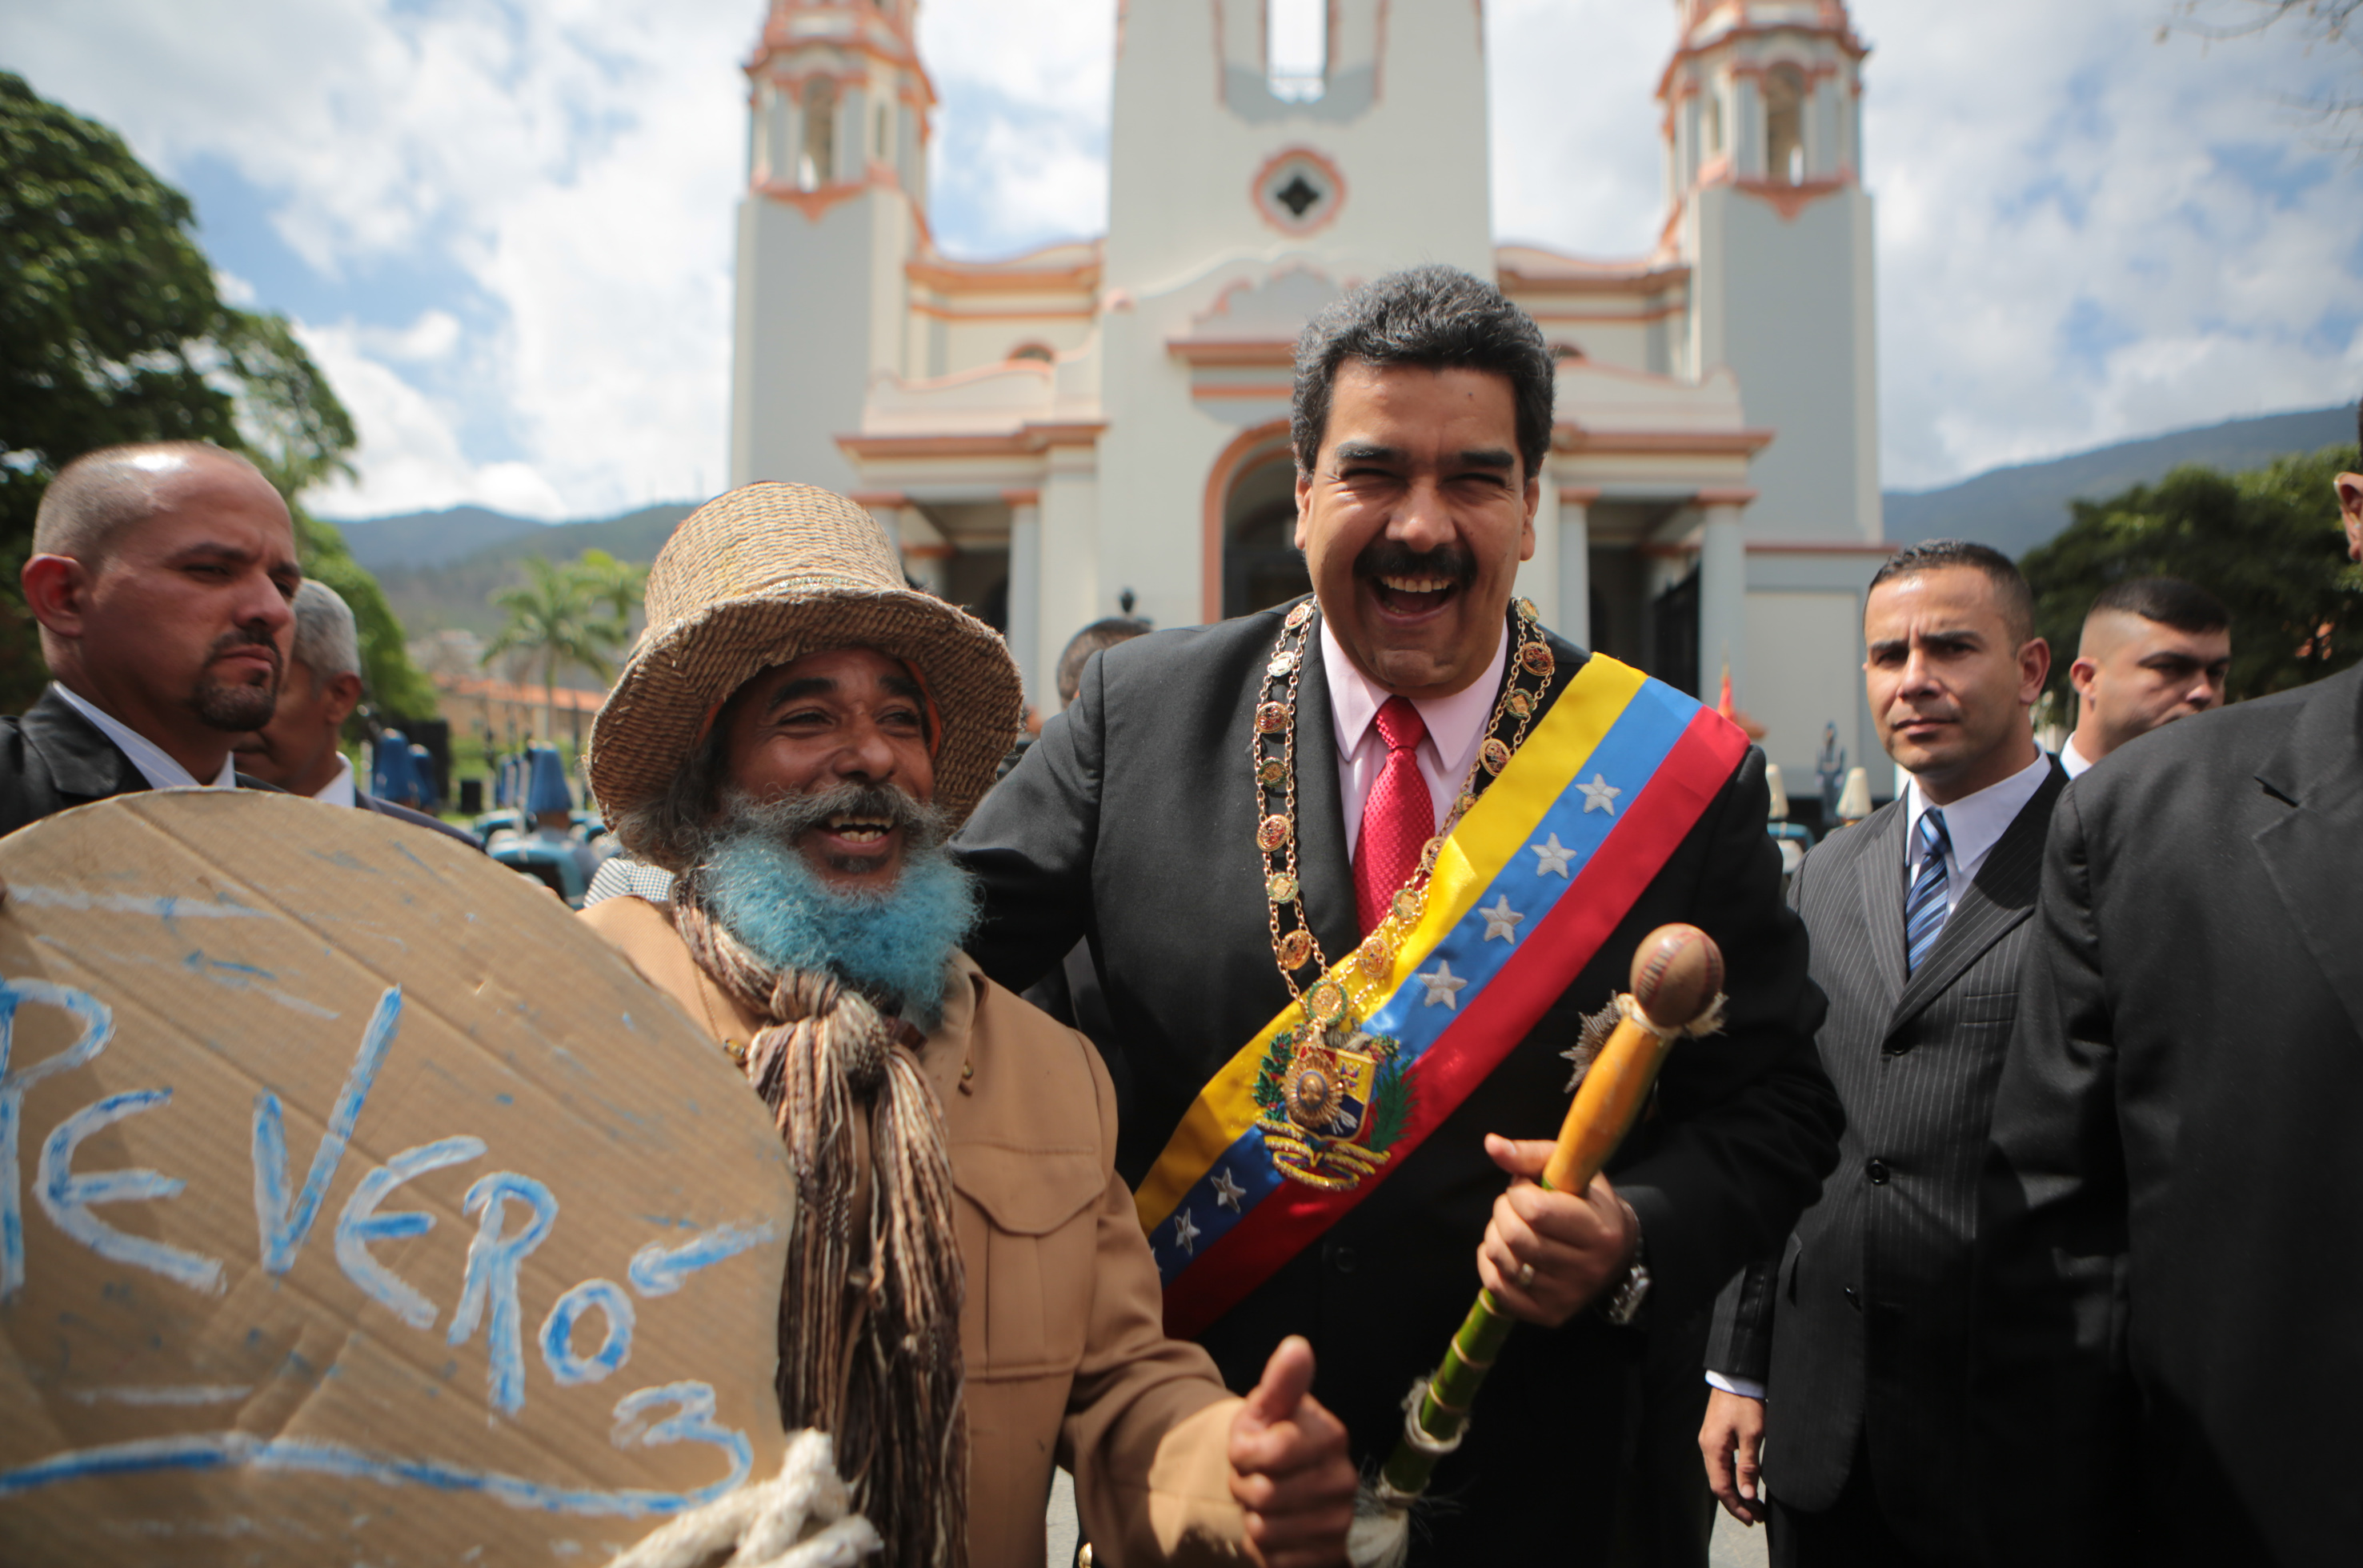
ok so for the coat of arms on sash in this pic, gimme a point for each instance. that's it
(1333, 1100)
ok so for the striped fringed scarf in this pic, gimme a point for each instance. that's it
(890, 1392)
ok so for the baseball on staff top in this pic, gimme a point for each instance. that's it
(1677, 973)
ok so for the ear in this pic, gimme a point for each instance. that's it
(1303, 490)
(1534, 499)
(57, 590)
(2350, 508)
(2080, 674)
(2034, 669)
(342, 696)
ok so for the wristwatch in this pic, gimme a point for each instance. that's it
(1624, 1304)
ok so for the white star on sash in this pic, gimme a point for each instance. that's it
(1442, 986)
(1185, 1231)
(1599, 795)
(1227, 1191)
(1502, 921)
(1551, 859)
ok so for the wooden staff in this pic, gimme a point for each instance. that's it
(1677, 989)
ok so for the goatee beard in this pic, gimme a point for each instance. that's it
(220, 705)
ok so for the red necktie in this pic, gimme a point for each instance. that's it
(1397, 819)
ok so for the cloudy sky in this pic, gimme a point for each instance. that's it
(503, 226)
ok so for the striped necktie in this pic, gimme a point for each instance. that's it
(1924, 909)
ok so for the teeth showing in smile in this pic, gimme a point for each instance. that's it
(1417, 584)
(859, 830)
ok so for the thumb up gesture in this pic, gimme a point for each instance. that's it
(1288, 1468)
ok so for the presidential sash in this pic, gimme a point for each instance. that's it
(1528, 884)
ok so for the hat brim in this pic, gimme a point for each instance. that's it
(674, 685)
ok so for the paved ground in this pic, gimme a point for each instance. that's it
(1736, 1546)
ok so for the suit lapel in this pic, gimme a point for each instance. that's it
(1879, 874)
(2001, 896)
(83, 764)
(1325, 870)
(2311, 853)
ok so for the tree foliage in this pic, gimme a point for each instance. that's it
(563, 615)
(2267, 542)
(112, 330)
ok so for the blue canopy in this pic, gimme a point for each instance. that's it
(547, 790)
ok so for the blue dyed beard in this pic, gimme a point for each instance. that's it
(893, 943)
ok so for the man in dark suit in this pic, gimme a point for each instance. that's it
(2169, 1273)
(1843, 1356)
(1421, 414)
(161, 576)
(297, 749)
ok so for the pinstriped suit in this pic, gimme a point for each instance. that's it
(1861, 1333)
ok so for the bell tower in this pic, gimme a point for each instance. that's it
(834, 205)
(1764, 157)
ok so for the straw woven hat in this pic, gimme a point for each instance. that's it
(763, 577)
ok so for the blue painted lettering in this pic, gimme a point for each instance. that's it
(658, 1270)
(361, 1224)
(66, 1197)
(557, 1332)
(282, 1231)
(492, 1279)
(97, 1028)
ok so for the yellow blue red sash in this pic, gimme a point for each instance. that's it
(1531, 882)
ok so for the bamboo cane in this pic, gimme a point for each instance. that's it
(1677, 989)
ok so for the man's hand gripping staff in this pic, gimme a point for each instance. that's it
(1677, 989)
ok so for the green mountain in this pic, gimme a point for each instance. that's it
(440, 570)
(2015, 509)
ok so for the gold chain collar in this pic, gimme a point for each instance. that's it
(1271, 749)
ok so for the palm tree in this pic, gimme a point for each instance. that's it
(556, 618)
(616, 586)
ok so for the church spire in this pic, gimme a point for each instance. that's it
(837, 102)
(1764, 94)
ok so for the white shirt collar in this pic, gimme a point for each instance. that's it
(154, 763)
(1455, 725)
(338, 791)
(2074, 761)
(1974, 823)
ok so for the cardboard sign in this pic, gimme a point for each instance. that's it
(358, 1205)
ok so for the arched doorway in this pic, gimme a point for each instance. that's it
(1261, 565)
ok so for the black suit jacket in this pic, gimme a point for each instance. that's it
(2169, 1251)
(1131, 823)
(51, 758)
(1861, 1328)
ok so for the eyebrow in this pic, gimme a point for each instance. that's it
(1370, 452)
(797, 690)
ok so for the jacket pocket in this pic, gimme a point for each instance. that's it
(1029, 1234)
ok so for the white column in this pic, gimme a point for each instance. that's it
(1574, 621)
(927, 554)
(1024, 635)
(1723, 592)
(1071, 564)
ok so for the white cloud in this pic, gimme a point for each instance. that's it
(519, 212)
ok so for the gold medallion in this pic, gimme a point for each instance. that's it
(1272, 773)
(1272, 718)
(1428, 855)
(1282, 665)
(1538, 661)
(1280, 888)
(1272, 833)
(1325, 1001)
(1406, 904)
(1495, 754)
(1376, 955)
(1518, 703)
(1463, 803)
(1527, 611)
(1298, 616)
(1295, 949)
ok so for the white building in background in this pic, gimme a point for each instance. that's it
(1050, 436)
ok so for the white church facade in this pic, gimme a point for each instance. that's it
(1104, 422)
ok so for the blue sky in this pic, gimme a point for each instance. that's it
(504, 227)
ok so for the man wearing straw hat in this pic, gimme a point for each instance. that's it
(969, 1297)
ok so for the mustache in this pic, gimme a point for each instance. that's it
(1392, 557)
(243, 637)
(785, 818)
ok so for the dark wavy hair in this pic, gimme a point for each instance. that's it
(1437, 317)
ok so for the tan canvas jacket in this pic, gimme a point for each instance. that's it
(1062, 1332)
